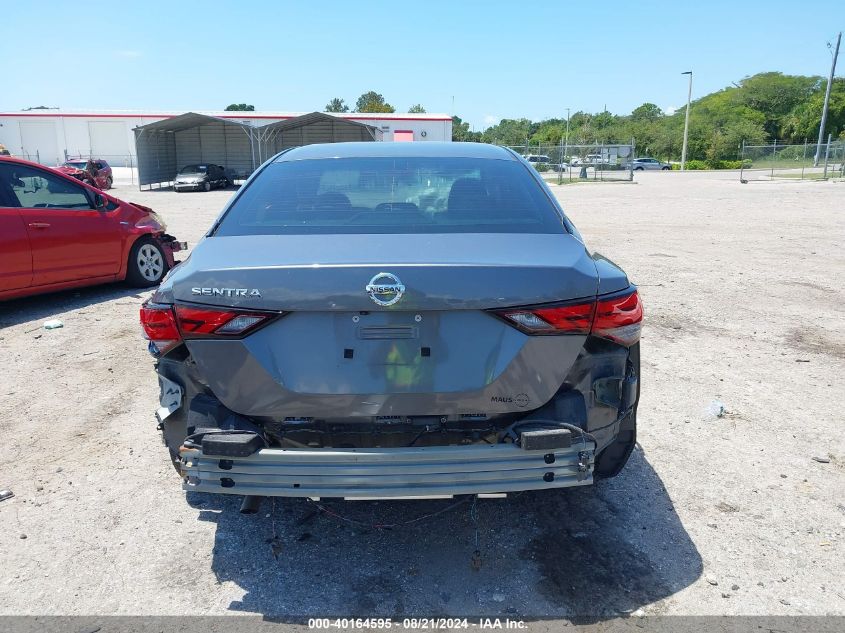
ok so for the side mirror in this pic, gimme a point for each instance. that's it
(99, 201)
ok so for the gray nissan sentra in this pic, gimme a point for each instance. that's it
(389, 320)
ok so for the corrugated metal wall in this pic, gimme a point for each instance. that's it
(162, 153)
(156, 157)
(318, 132)
(216, 143)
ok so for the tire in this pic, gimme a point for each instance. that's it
(110, 182)
(206, 186)
(147, 264)
(639, 168)
(665, 169)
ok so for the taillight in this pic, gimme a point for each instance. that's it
(166, 326)
(195, 322)
(618, 319)
(159, 325)
(571, 319)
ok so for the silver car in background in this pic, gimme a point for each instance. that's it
(641, 164)
(395, 320)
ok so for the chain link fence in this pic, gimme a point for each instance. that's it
(568, 162)
(806, 161)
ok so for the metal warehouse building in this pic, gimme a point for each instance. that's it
(49, 136)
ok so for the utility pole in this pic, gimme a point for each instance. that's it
(566, 146)
(686, 123)
(827, 100)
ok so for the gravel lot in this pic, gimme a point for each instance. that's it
(724, 514)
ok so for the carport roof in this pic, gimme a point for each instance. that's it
(313, 117)
(187, 121)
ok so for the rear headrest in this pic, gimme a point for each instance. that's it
(467, 194)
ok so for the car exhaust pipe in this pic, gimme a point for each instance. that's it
(251, 504)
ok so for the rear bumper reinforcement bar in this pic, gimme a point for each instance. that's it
(437, 471)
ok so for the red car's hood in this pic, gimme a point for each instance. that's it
(142, 207)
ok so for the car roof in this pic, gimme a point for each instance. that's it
(426, 149)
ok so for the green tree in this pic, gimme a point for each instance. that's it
(416, 109)
(461, 131)
(240, 107)
(372, 102)
(647, 112)
(775, 95)
(336, 105)
(509, 132)
(804, 120)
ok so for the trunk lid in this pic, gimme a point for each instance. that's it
(438, 271)
(340, 355)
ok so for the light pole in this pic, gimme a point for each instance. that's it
(826, 102)
(567, 126)
(564, 142)
(686, 123)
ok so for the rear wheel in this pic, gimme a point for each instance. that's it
(665, 168)
(110, 181)
(147, 264)
(206, 186)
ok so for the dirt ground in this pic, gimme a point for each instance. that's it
(715, 514)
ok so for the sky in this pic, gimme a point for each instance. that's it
(491, 59)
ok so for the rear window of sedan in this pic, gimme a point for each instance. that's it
(392, 195)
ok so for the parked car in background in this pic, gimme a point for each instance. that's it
(201, 178)
(57, 232)
(332, 338)
(538, 159)
(4, 151)
(94, 171)
(596, 159)
(643, 163)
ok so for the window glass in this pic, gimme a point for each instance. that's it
(392, 195)
(194, 169)
(28, 187)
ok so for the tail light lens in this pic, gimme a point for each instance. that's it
(166, 326)
(572, 319)
(159, 325)
(618, 319)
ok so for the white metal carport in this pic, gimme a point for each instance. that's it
(316, 127)
(166, 146)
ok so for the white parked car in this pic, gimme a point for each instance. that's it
(643, 163)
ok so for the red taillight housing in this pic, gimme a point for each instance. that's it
(618, 319)
(165, 326)
(159, 325)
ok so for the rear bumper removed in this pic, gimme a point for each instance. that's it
(389, 473)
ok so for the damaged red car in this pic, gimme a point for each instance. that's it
(93, 171)
(57, 232)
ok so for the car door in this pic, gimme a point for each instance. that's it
(215, 175)
(70, 239)
(15, 252)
